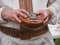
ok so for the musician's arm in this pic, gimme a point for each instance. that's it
(2, 21)
(55, 9)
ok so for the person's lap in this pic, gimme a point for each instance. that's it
(45, 39)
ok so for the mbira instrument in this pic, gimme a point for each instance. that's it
(31, 26)
(32, 22)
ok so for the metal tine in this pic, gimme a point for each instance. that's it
(32, 16)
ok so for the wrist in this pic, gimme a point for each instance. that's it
(49, 13)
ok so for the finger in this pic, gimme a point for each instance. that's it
(13, 20)
(41, 19)
(24, 11)
(46, 20)
(21, 14)
(45, 14)
(17, 19)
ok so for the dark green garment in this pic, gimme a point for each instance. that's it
(57, 41)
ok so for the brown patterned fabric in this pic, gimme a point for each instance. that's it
(23, 34)
(26, 4)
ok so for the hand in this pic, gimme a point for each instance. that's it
(13, 15)
(45, 15)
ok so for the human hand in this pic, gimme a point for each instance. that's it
(13, 15)
(44, 15)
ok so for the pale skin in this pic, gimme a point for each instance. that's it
(13, 15)
(46, 13)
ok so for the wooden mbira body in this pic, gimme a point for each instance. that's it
(33, 21)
